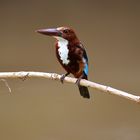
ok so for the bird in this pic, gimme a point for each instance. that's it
(71, 54)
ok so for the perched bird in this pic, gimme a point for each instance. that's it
(71, 54)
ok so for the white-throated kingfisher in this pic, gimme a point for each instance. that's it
(71, 54)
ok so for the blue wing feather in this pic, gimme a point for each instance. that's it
(86, 62)
(86, 69)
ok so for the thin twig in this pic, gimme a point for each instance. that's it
(6, 84)
(23, 75)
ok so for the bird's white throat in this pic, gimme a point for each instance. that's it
(63, 50)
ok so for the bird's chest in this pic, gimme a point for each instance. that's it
(63, 51)
(68, 54)
(70, 57)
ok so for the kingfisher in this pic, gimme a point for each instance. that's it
(71, 54)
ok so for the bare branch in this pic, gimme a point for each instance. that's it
(23, 75)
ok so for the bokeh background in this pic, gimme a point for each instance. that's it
(41, 109)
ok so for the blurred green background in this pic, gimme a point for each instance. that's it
(41, 109)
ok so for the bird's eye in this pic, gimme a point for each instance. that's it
(66, 31)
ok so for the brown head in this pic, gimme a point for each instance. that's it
(62, 32)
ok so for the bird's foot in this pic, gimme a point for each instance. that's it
(63, 77)
(78, 81)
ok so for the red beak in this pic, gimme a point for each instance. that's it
(50, 32)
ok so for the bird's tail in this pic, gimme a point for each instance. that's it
(84, 91)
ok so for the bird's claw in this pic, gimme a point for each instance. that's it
(62, 78)
(78, 81)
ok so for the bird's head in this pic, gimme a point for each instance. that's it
(60, 32)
